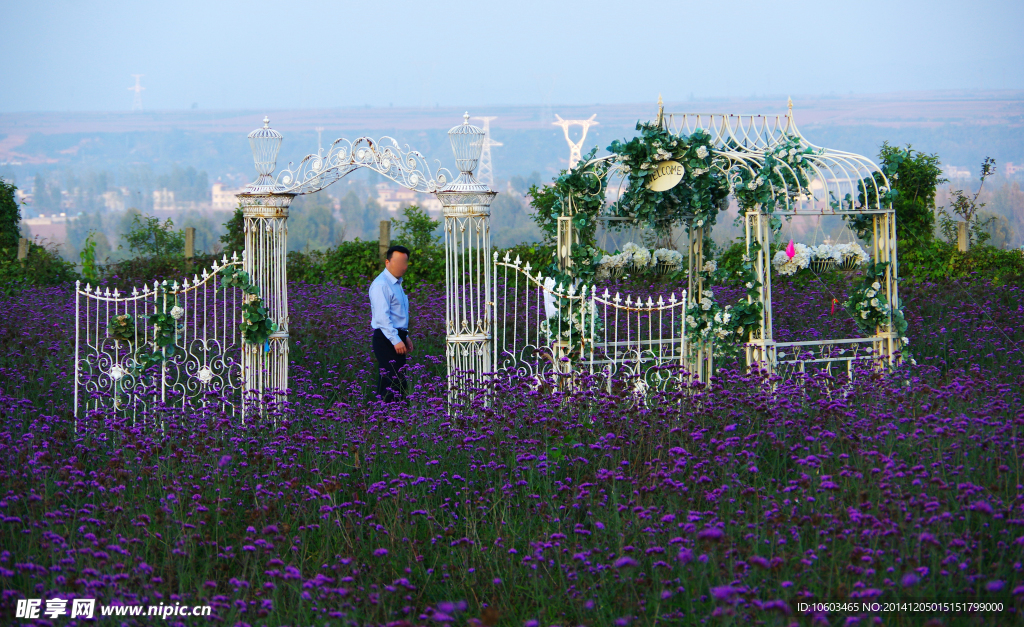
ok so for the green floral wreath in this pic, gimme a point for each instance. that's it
(256, 323)
(122, 328)
(697, 198)
(870, 308)
(783, 173)
(727, 327)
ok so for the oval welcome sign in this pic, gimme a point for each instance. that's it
(666, 176)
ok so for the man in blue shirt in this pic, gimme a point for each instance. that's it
(390, 322)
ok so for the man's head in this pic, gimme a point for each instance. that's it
(397, 261)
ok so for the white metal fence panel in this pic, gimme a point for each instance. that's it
(632, 341)
(119, 364)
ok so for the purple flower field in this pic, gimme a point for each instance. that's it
(726, 505)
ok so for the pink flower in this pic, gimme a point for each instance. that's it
(791, 250)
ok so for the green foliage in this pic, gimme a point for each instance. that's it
(165, 330)
(538, 255)
(147, 237)
(937, 260)
(417, 230)
(138, 271)
(356, 263)
(915, 182)
(730, 264)
(783, 174)
(699, 197)
(88, 257)
(122, 327)
(42, 267)
(869, 307)
(234, 239)
(544, 199)
(256, 323)
(312, 225)
(10, 216)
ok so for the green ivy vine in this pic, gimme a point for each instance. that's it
(256, 323)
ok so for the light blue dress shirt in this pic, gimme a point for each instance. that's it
(389, 306)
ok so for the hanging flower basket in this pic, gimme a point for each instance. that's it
(663, 268)
(616, 272)
(849, 263)
(821, 266)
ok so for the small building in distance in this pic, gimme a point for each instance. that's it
(224, 198)
(163, 200)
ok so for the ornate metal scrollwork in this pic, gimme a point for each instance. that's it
(385, 156)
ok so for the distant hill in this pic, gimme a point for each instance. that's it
(963, 127)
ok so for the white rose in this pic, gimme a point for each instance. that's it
(177, 312)
(876, 286)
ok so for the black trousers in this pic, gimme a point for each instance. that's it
(391, 381)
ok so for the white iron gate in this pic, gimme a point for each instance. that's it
(640, 343)
(121, 361)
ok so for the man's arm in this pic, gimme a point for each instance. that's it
(380, 306)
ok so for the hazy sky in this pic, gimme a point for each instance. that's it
(62, 55)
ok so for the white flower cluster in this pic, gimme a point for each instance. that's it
(789, 153)
(642, 258)
(826, 251)
(669, 257)
(784, 265)
(702, 152)
(177, 312)
(662, 155)
(709, 266)
(870, 301)
(852, 249)
(638, 257)
(707, 319)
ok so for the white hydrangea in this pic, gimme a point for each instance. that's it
(784, 265)
(668, 256)
(642, 258)
(177, 312)
(853, 249)
(825, 251)
(710, 266)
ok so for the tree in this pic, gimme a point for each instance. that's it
(234, 239)
(915, 180)
(10, 216)
(312, 225)
(418, 228)
(968, 208)
(147, 237)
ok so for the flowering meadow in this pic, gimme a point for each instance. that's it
(725, 505)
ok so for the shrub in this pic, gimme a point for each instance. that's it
(43, 266)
